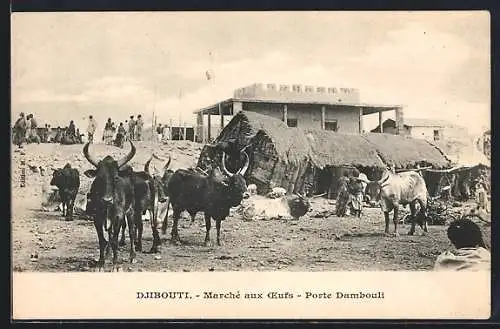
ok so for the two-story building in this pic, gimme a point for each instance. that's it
(304, 106)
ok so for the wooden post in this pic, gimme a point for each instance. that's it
(361, 120)
(399, 121)
(285, 114)
(221, 114)
(185, 136)
(209, 131)
(323, 115)
(381, 128)
(199, 126)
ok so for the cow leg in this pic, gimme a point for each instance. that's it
(423, 213)
(102, 242)
(413, 211)
(131, 235)
(139, 227)
(71, 207)
(123, 227)
(395, 220)
(117, 223)
(386, 217)
(63, 203)
(156, 235)
(175, 232)
(208, 224)
(217, 226)
(165, 220)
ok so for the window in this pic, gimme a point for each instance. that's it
(291, 122)
(320, 89)
(296, 88)
(271, 86)
(283, 88)
(309, 89)
(331, 125)
(436, 135)
(332, 90)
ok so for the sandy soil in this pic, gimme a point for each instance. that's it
(309, 244)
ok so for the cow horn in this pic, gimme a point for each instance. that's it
(89, 158)
(224, 165)
(243, 170)
(128, 157)
(146, 165)
(168, 163)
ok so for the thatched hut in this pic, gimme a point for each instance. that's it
(278, 154)
(311, 161)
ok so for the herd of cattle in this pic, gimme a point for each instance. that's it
(119, 196)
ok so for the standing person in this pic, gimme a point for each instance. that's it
(343, 196)
(91, 129)
(34, 130)
(159, 132)
(108, 132)
(166, 132)
(131, 128)
(138, 127)
(120, 135)
(71, 132)
(20, 130)
(356, 195)
(27, 136)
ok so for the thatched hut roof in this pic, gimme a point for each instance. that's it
(406, 152)
(334, 149)
(290, 144)
(327, 148)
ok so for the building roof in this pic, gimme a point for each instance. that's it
(291, 145)
(406, 152)
(335, 149)
(422, 122)
(227, 110)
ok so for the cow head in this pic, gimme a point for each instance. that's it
(58, 176)
(236, 184)
(107, 172)
(160, 181)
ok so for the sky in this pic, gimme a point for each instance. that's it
(68, 65)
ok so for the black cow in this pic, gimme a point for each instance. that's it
(112, 199)
(67, 181)
(147, 188)
(194, 192)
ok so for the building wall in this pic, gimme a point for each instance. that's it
(426, 133)
(298, 93)
(309, 116)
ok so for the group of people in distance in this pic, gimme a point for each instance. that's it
(112, 135)
(26, 131)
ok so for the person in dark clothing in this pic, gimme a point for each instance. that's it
(20, 130)
(71, 132)
(120, 135)
(343, 196)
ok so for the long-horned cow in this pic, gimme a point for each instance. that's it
(112, 200)
(148, 188)
(405, 188)
(194, 192)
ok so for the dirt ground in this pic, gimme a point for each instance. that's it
(309, 244)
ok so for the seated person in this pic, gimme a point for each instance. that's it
(470, 254)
